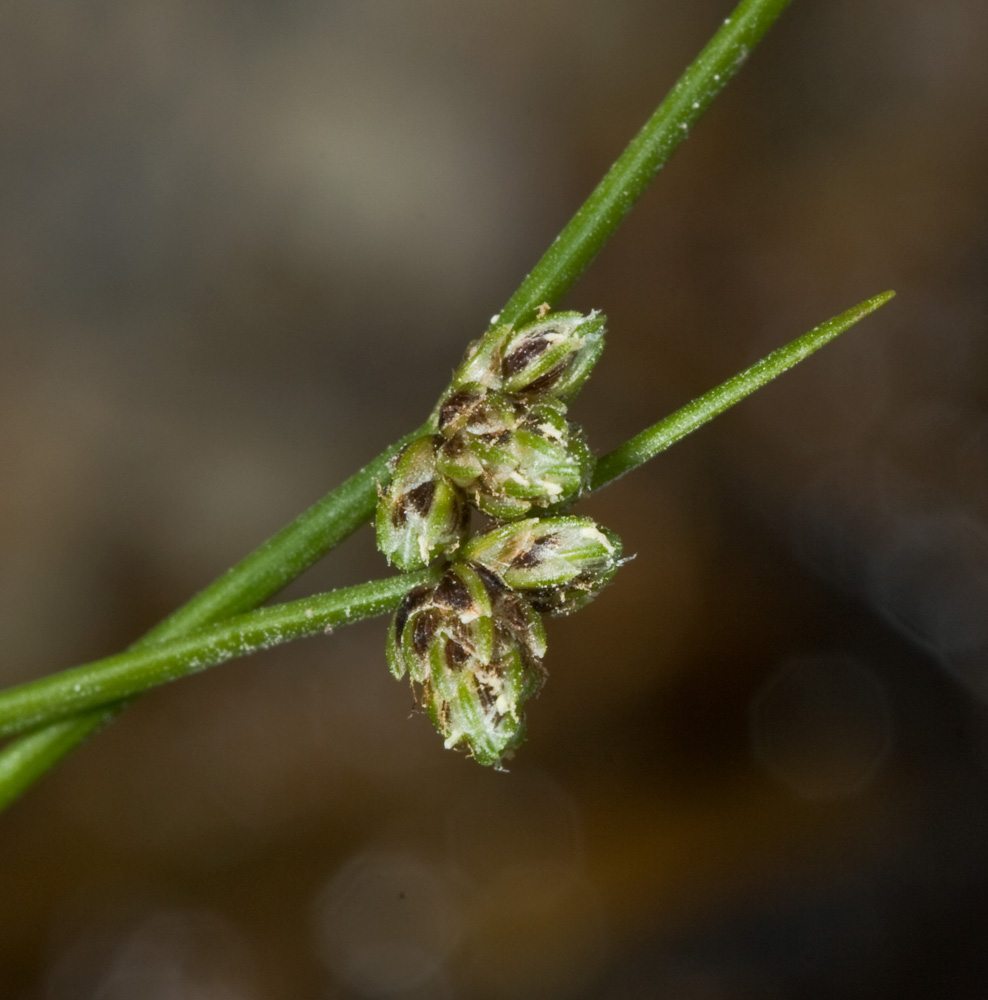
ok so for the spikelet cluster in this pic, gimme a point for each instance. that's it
(503, 444)
(472, 645)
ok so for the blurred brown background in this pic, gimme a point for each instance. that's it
(241, 248)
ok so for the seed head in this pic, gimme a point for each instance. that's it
(553, 356)
(421, 514)
(475, 650)
(558, 563)
(548, 358)
(510, 457)
(476, 411)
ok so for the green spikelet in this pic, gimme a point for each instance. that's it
(553, 356)
(558, 563)
(421, 514)
(511, 457)
(474, 649)
(550, 357)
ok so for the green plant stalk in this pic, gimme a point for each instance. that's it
(287, 554)
(29, 758)
(122, 676)
(649, 442)
(271, 566)
(126, 674)
(599, 216)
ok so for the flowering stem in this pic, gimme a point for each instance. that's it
(30, 757)
(284, 556)
(105, 683)
(271, 566)
(287, 554)
(649, 442)
(126, 674)
(599, 216)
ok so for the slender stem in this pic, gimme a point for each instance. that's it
(126, 674)
(106, 682)
(30, 757)
(586, 233)
(315, 532)
(666, 432)
(273, 565)
(287, 554)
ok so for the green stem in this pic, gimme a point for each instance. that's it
(30, 757)
(124, 675)
(671, 429)
(258, 576)
(596, 220)
(315, 532)
(287, 554)
(108, 681)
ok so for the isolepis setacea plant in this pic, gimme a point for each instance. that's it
(473, 643)
(468, 608)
